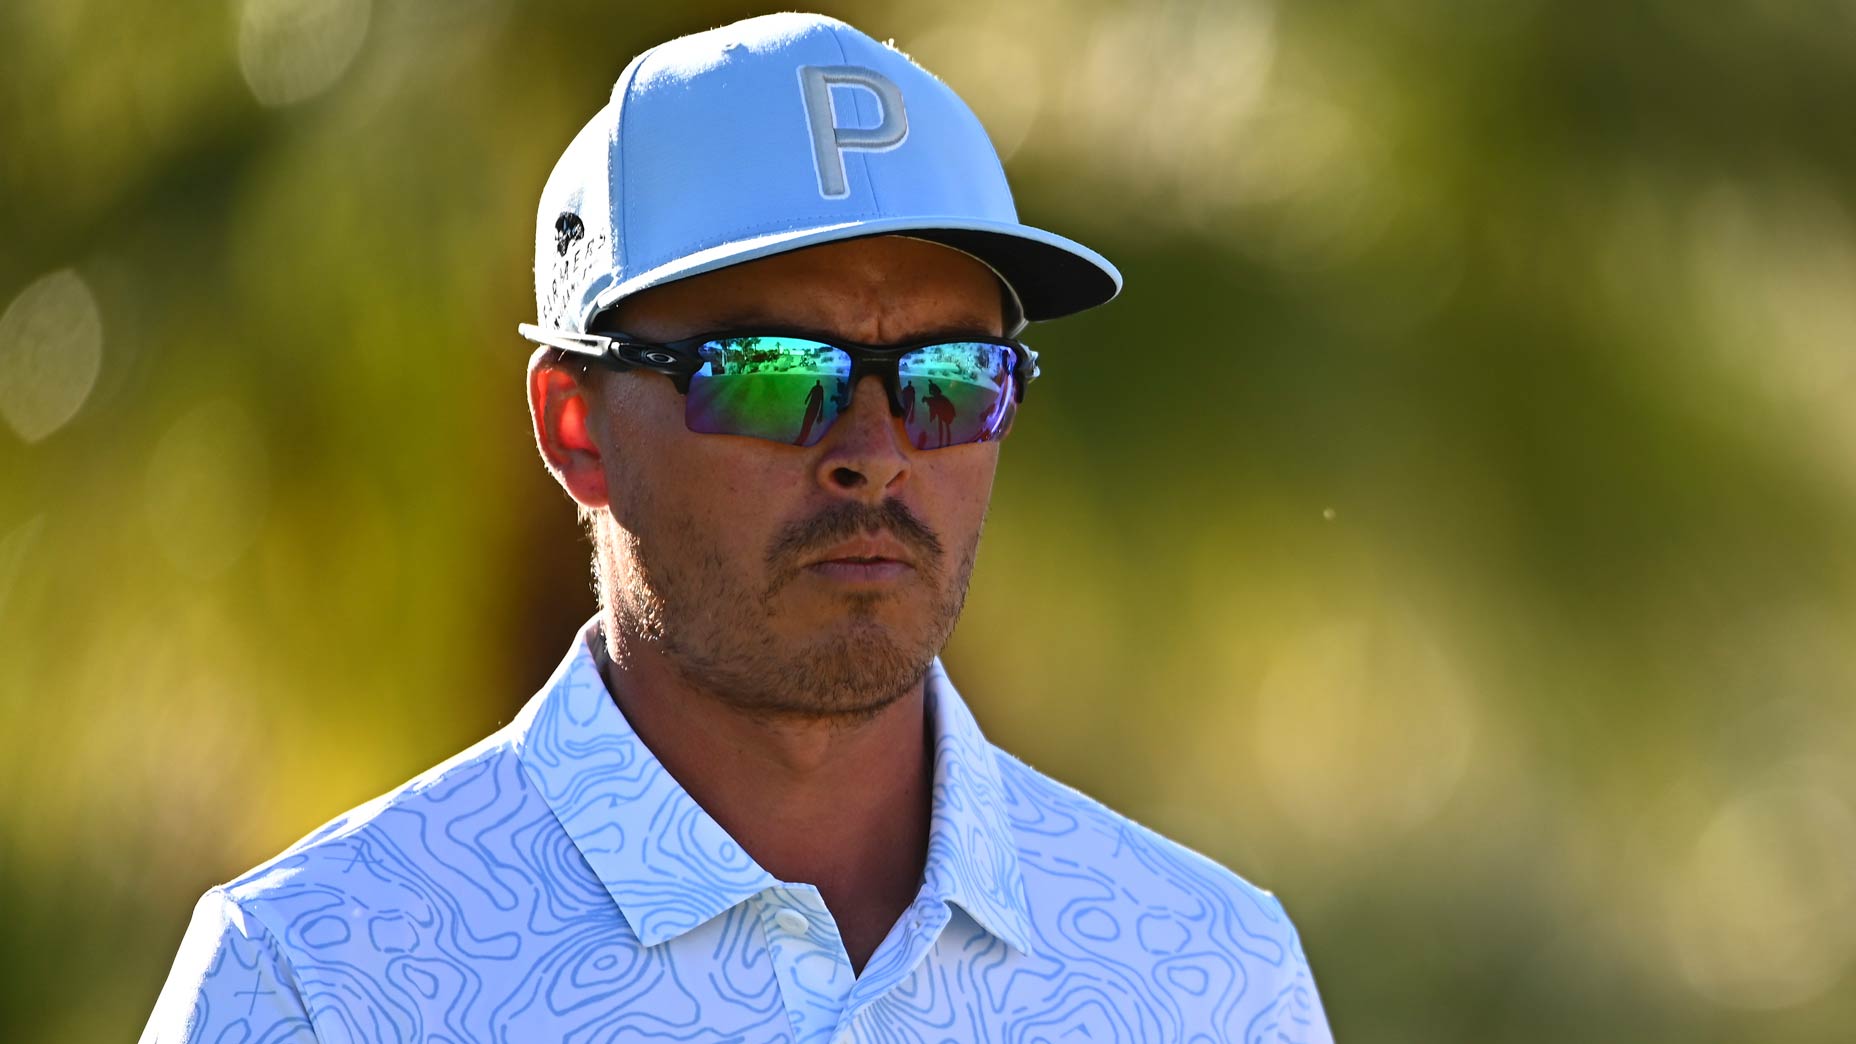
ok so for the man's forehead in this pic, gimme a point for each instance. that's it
(949, 326)
(907, 289)
(959, 319)
(950, 331)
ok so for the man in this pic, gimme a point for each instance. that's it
(750, 805)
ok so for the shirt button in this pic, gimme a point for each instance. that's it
(792, 922)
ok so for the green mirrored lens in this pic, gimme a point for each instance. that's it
(787, 389)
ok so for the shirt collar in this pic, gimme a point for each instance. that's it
(670, 867)
(972, 849)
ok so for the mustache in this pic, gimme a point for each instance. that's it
(848, 519)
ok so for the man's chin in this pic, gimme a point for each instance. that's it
(809, 612)
(854, 669)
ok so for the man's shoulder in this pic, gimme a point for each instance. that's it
(1076, 843)
(392, 834)
(1119, 901)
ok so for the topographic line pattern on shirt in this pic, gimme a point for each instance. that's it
(554, 882)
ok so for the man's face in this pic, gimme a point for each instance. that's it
(712, 548)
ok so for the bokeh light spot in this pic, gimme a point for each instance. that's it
(291, 50)
(51, 347)
(1764, 914)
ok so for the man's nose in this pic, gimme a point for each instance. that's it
(866, 452)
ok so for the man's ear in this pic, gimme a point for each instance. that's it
(559, 404)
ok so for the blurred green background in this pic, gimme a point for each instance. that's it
(1452, 527)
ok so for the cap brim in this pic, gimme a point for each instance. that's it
(1051, 275)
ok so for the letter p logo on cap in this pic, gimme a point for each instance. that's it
(829, 140)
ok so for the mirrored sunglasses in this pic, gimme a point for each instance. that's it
(790, 388)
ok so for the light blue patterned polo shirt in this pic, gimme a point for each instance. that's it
(554, 883)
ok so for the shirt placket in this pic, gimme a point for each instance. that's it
(809, 961)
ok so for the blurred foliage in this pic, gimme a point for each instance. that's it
(1450, 528)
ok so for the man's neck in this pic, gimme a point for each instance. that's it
(844, 806)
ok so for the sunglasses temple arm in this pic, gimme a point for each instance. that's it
(597, 346)
(1031, 374)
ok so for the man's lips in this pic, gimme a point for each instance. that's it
(866, 552)
(868, 560)
(880, 570)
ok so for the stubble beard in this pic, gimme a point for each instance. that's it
(721, 635)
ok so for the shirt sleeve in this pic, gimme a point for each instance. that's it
(1294, 1015)
(230, 981)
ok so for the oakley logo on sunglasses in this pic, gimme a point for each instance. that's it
(829, 140)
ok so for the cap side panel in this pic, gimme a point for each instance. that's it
(572, 227)
(617, 166)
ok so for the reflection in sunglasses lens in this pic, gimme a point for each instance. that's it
(786, 389)
(789, 389)
(954, 393)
